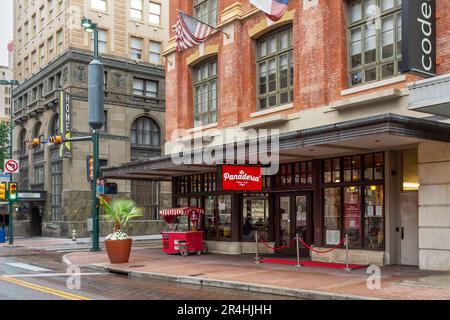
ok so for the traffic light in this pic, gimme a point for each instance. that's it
(35, 142)
(3, 191)
(56, 139)
(91, 168)
(13, 192)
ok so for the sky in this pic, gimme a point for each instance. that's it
(6, 29)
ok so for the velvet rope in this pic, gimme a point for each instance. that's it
(326, 251)
(276, 248)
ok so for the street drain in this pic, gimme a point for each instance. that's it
(138, 266)
(196, 275)
(119, 272)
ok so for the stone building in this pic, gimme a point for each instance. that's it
(51, 57)
(5, 95)
(335, 78)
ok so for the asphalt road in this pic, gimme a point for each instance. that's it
(40, 275)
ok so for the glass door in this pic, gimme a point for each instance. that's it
(302, 209)
(285, 220)
(295, 218)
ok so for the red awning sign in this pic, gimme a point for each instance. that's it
(245, 178)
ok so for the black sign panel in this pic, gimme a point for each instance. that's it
(419, 37)
(65, 124)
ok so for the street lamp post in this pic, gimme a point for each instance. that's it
(96, 121)
(11, 83)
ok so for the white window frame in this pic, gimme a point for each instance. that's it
(153, 14)
(136, 9)
(136, 50)
(154, 53)
(100, 5)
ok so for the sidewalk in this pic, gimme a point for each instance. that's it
(241, 272)
(49, 242)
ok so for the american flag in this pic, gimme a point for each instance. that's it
(190, 32)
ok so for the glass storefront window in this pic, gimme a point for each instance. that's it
(332, 210)
(195, 202)
(210, 222)
(289, 174)
(379, 165)
(368, 165)
(294, 174)
(301, 212)
(352, 215)
(352, 169)
(332, 170)
(374, 217)
(224, 223)
(327, 171)
(183, 202)
(374, 166)
(336, 170)
(255, 215)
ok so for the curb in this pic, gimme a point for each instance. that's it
(298, 293)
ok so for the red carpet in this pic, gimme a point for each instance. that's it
(315, 264)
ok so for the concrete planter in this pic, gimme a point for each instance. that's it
(118, 250)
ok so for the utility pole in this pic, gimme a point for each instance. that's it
(96, 121)
(11, 83)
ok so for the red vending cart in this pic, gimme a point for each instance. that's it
(183, 242)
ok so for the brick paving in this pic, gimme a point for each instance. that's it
(398, 282)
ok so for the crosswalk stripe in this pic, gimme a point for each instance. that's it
(28, 267)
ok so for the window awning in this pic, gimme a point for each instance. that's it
(381, 132)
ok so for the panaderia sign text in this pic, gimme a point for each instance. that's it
(241, 178)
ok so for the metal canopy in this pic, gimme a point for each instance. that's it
(381, 132)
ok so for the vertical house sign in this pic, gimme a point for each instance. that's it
(65, 124)
(419, 37)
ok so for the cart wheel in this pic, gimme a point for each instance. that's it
(204, 248)
(184, 251)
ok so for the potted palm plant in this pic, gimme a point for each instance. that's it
(118, 244)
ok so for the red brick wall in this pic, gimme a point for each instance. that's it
(320, 62)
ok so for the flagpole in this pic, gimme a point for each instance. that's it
(225, 33)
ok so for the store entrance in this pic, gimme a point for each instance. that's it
(294, 218)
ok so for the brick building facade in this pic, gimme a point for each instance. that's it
(354, 158)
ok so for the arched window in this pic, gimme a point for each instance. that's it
(23, 142)
(145, 132)
(37, 134)
(54, 126)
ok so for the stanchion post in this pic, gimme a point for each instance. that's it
(346, 254)
(298, 251)
(257, 260)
